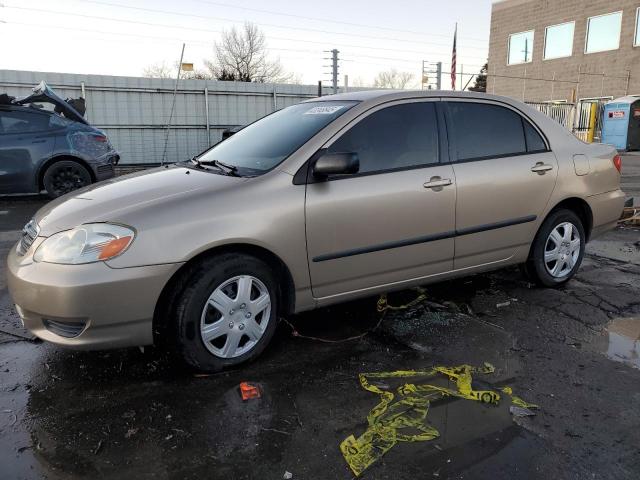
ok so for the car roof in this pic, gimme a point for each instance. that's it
(381, 96)
(26, 108)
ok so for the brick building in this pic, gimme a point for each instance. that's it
(562, 50)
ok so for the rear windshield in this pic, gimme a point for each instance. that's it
(264, 144)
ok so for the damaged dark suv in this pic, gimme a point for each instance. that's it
(56, 151)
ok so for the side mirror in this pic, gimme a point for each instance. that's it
(336, 164)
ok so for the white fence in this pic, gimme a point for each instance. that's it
(134, 111)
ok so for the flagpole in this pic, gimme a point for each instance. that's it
(454, 60)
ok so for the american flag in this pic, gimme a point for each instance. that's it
(453, 60)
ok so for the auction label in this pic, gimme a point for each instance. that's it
(325, 110)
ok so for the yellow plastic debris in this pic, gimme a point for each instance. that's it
(383, 304)
(401, 416)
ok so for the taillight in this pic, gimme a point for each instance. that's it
(617, 162)
(99, 138)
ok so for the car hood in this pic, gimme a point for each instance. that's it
(114, 200)
(43, 93)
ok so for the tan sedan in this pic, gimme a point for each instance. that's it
(318, 203)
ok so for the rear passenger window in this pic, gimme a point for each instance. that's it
(535, 143)
(484, 131)
(401, 136)
(18, 121)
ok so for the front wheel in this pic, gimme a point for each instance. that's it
(557, 250)
(228, 313)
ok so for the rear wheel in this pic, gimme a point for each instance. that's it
(228, 313)
(557, 250)
(65, 176)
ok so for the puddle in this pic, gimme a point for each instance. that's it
(402, 414)
(624, 341)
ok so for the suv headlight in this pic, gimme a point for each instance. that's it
(93, 242)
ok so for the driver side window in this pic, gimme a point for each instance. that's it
(397, 137)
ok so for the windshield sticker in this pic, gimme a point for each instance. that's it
(327, 110)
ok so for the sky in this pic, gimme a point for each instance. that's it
(122, 37)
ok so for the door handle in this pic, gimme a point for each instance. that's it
(39, 141)
(541, 168)
(437, 182)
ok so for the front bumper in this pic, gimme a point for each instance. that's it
(113, 306)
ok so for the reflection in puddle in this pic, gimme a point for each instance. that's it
(624, 341)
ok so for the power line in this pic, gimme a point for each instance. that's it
(272, 12)
(173, 40)
(305, 29)
(167, 40)
(164, 25)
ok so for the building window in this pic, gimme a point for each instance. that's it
(558, 40)
(603, 32)
(636, 38)
(520, 48)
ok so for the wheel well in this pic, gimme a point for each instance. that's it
(581, 209)
(176, 284)
(60, 158)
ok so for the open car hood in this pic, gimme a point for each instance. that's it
(43, 93)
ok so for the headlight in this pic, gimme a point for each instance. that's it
(93, 242)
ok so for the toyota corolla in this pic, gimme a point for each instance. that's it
(325, 201)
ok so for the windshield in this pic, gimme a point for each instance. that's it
(264, 144)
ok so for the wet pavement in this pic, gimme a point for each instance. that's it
(631, 175)
(131, 413)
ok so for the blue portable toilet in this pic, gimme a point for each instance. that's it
(621, 123)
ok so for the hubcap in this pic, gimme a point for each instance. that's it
(562, 250)
(235, 316)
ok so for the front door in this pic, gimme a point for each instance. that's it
(394, 220)
(505, 175)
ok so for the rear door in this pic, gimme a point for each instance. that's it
(25, 139)
(505, 175)
(394, 220)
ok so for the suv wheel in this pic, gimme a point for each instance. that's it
(557, 250)
(228, 312)
(64, 177)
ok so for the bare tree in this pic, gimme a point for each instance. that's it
(241, 55)
(393, 79)
(159, 70)
(162, 70)
(360, 82)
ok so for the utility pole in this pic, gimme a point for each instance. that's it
(173, 104)
(431, 75)
(334, 70)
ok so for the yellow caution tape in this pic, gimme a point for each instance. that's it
(383, 304)
(390, 418)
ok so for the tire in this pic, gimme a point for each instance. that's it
(568, 255)
(65, 176)
(230, 316)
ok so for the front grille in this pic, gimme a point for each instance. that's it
(29, 234)
(64, 329)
